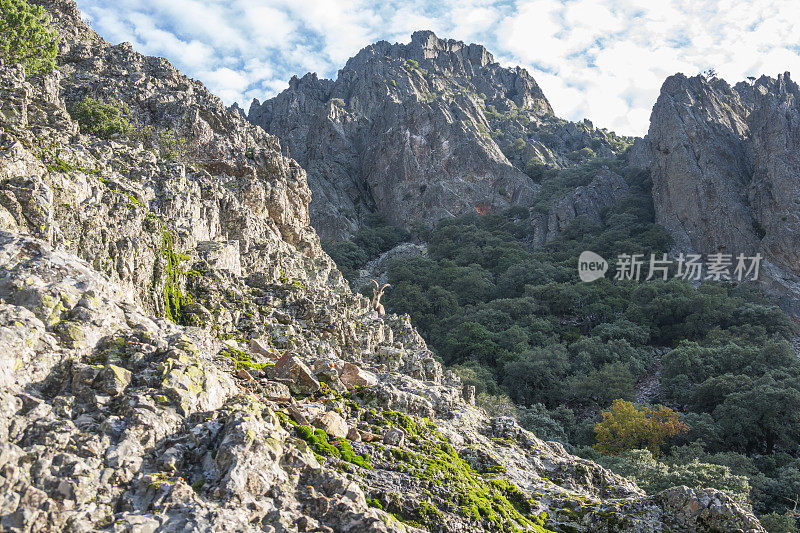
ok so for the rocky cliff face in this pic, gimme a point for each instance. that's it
(271, 398)
(725, 163)
(588, 201)
(419, 132)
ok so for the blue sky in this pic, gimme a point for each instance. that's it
(600, 59)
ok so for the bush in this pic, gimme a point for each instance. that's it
(535, 169)
(627, 427)
(496, 405)
(165, 142)
(26, 37)
(779, 523)
(582, 154)
(556, 424)
(654, 476)
(102, 117)
(411, 63)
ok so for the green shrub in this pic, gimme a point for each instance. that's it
(338, 102)
(779, 523)
(582, 154)
(655, 476)
(102, 117)
(411, 63)
(535, 168)
(165, 142)
(26, 37)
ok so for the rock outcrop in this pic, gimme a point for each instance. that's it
(606, 189)
(414, 132)
(177, 353)
(725, 164)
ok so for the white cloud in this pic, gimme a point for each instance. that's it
(600, 59)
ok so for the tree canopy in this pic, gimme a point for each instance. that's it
(26, 37)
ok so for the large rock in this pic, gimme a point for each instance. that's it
(354, 376)
(404, 131)
(725, 163)
(704, 510)
(588, 201)
(296, 375)
(333, 424)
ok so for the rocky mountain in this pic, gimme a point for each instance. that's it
(422, 131)
(177, 353)
(725, 162)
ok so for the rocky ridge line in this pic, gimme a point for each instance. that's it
(418, 132)
(724, 162)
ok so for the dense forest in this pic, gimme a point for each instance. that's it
(540, 345)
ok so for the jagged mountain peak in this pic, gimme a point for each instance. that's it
(446, 56)
(422, 131)
(724, 163)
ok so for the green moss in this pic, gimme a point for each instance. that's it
(515, 496)
(161, 478)
(284, 418)
(492, 504)
(324, 392)
(52, 161)
(160, 398)
(350, 456)
(341, 449)
(571, 513)
(373, 502)
(403, 421)
(197, 485)
(71, 334)
(428, 514)
(539, 519)
(241, 359)
(402, 455)
(174, 299)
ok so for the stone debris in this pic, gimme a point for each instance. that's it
(353, 376)
(394, 437)
(333, 424)
(296, 374)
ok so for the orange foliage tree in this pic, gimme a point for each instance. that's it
(628, 427)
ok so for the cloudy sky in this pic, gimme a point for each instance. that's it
(600, 59)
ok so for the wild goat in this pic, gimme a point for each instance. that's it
(377, 292)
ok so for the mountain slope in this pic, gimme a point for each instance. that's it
(419, 132)
(117, 418)
(725, 164)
